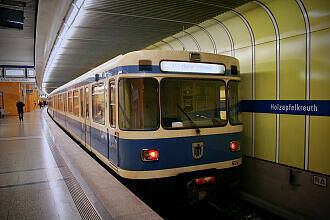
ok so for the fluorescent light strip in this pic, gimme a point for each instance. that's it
(65, 28)
(99, 69)
(72, 15)
(16, 22)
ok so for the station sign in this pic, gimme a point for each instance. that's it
(190, 67)
(295, 107)
(26, 80)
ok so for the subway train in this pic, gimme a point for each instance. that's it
(170, 116)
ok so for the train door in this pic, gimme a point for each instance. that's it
(87, 127)
(113, 134)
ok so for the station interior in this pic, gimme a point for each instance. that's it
(281, 46)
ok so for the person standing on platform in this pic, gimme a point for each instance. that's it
(20, 111)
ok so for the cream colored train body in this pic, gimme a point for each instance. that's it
(157, 114)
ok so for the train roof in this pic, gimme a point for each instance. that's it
(133, 58)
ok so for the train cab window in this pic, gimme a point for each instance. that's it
(193, 103)
(138, 104)
(112, 104)
(75, 102)
(81, 99)
(98, 105)
(70, 101)
(87, 102)
(233, 102)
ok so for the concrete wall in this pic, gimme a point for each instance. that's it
(284, 49)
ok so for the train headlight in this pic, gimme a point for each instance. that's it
(149, 155)
(235, 146)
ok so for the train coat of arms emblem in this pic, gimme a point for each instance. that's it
(197, 150)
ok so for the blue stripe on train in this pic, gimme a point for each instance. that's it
(134, 69)
(98, 139)
(176, 152)
(173, 152)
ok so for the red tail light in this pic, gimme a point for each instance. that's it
(149, 155)
(204, 180)
(235, 146)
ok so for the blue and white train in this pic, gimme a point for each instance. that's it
(163, 115)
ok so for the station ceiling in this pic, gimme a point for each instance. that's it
(17, 45)
(102, 30)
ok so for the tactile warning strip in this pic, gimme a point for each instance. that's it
(83, 204)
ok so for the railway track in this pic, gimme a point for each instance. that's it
(168, 207)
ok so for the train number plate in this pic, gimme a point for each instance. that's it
(235, 163)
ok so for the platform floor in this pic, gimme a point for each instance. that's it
(46, 175)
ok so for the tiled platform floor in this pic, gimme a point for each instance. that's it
(31, 184)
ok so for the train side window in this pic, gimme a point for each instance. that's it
(138, 103)
(57, 102)
(65, 102)
(98, 103)
(54, 102)
(81, 98)
(112, 104)
(233, 102)
(70, 101)
(223, 103)
(60, 103)
(75, 102)
(87, 102)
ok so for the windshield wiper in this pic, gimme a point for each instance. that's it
(124, 114)
(192, 122)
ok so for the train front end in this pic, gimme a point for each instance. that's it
(180, 121)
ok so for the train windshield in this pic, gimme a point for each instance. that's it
(138, 104)
(192, 103)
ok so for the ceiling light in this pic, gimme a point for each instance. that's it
(61, 37)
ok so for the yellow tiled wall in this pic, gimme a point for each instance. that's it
(292, 78)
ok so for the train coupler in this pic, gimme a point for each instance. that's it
(201, 189)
